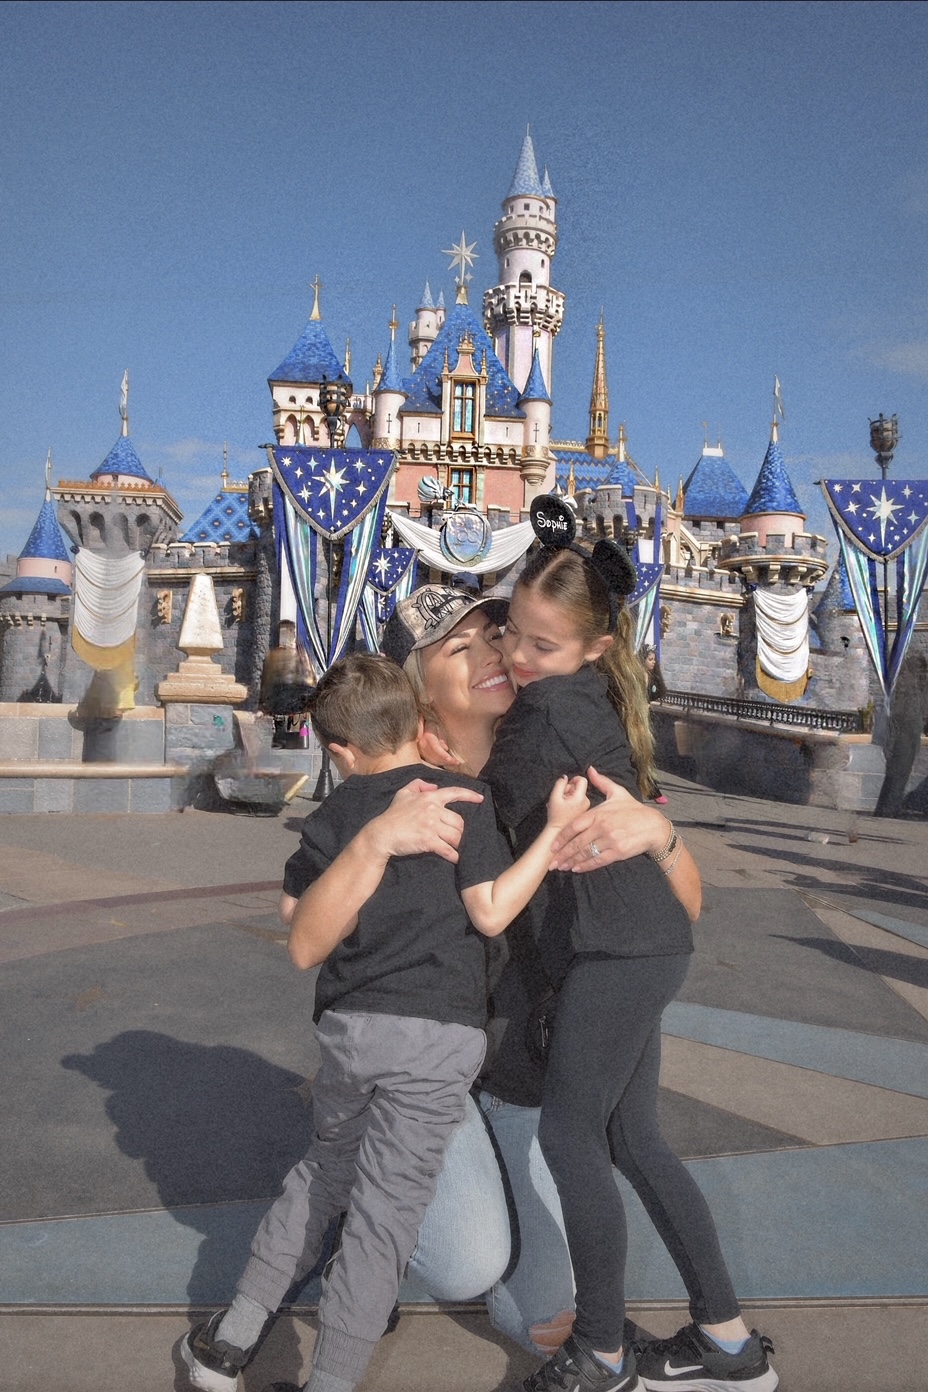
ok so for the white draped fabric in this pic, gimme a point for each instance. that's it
(782, 634)
(106, 597)
(509, 543)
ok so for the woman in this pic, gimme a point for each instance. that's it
(450, 649)
(495, 1222)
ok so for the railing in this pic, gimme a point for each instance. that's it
(810, 717)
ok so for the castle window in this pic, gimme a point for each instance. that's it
(525, 279)
(464, 408)
(527, 207)
(462, 480)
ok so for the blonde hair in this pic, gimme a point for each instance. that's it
(567, 579)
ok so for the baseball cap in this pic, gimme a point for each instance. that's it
(429, 614)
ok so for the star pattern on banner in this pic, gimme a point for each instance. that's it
(388, 566)
(648, 576)
(331, 489)
(880, 516)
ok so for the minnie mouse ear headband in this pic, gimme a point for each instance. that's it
(555, 527)
(429, 614)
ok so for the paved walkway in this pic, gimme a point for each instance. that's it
(156, 1074)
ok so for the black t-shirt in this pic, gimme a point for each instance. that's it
(562, 725)
(413, 951)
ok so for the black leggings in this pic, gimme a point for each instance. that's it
(600, 1110)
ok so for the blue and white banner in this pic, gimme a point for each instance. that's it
(882, 520)
(332, 490)
(391, 577)
(881, 517)
(644, 596)
(341, 496)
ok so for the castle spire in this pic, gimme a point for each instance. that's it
(597, 442)
(315, 285)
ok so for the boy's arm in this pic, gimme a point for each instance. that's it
(418, 820)
(493, 905)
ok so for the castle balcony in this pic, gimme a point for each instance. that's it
(540, 305)
(803, 563)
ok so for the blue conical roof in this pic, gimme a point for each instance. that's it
(837, 593)
(535, 389)
(45, 540)
(713, 489)
(122, 459)
(426, 302)
(546, 188)
(310, 359)
(390, 377)
(773, 491)
(525, 179)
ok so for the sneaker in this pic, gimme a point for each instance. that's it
(213, 1365)
(692, 1362)
(575, 1368)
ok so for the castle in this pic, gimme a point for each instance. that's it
(468, 422)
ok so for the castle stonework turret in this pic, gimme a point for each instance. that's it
(34, 611)
(524, 303)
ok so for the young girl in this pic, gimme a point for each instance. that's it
(618, 943)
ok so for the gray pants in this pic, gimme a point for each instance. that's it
(389, 1093)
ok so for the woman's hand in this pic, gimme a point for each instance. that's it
(419, 820)
(618, 829)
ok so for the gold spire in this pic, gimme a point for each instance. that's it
(597, 442)
(315, 285)
(571, 481)
(225, 465)
(394, 325)
(347, 357)
(681, 501)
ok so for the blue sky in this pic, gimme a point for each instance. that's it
(743, 189)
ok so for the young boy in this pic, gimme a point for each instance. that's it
(399, 1012)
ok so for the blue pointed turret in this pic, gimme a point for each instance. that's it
(427, 302)
(310, 359)
(773, 491)
(525, 179)
(390, 380)
(45, 540)
(713, 490)
(546, 188)
(47, 559)
(122, 459)
(535, 389)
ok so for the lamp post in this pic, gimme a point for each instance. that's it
(334, 398)
(884, 437)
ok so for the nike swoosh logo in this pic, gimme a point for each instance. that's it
(670, 1371)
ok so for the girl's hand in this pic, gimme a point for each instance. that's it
(568, 799)
(419, 820)
(619, 828)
